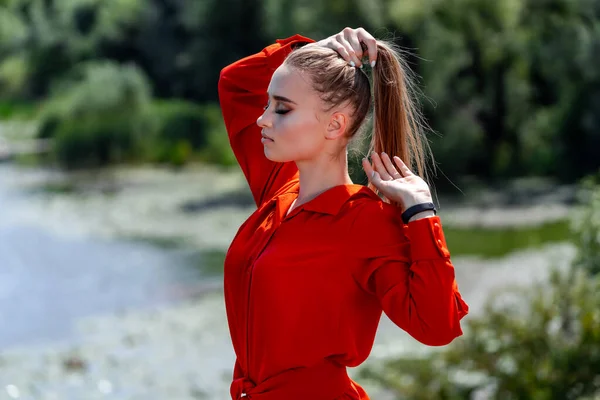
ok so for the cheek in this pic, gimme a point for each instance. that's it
(304, 140)
(296, 137)
(301, 133)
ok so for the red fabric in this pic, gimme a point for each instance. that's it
(304, 293)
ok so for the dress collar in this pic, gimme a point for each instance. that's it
(329, 202)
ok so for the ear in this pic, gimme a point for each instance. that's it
(338, 123)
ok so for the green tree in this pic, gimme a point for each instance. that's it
(511, 83)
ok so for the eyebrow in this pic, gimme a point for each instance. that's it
(283, 99)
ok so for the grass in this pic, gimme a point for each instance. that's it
(494, 243)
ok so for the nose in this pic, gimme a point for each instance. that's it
(263, 121)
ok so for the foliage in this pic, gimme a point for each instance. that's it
(188, 132)
(217, 149)
(89, 142)
(181, 121)
(510, 87)
(507, 82)
(99, 115)
(586, 224)
(540, 342)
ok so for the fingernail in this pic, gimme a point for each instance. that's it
(383, 153)
(373, 63)
(352, 63)
(373, 174)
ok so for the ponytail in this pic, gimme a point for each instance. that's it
(397, 122)
(398, 125)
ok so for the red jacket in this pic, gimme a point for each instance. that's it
(304, 293)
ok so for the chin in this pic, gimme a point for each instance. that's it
(272, 156)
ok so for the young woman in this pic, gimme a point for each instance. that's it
(310, 272)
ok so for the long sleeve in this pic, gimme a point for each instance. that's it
(408, 268)
(243, 94)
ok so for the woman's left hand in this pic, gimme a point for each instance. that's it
(396, 182)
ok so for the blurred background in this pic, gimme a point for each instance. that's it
(119, 194)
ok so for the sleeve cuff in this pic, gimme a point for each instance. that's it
(427, 240)
(278, 51)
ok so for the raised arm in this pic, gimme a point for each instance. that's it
(243, 95)
(408, 268)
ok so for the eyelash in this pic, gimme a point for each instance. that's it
(280, 112)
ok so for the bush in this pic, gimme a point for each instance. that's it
(180, 121)
(544, 344)
(17, 110)
(217, 150)
(187, 131)
(538, 343)
(586, 225)
(102, 87)
(98, 116)
(92, 142)
(13, 77)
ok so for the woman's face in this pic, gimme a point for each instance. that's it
(294, 126)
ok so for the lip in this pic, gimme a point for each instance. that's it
(265, 138)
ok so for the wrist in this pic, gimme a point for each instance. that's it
(421, 215)
(418, 211)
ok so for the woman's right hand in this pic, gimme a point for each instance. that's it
(348, 43)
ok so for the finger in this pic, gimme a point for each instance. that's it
(390, 167)
(372, 175)
(404, 170)
(341, 50)
(371, 43)
(348, 47)
(380, 168)
(352, 39)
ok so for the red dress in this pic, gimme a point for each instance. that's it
(304, 293)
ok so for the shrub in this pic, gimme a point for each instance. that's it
(93, 142)
(217, 150)
(13, 76)
(98, 116)
(180, 121)
(586, 226)
(102, 87)
(187, 131)
(542, 344)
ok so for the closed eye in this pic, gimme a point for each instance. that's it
(280, 112)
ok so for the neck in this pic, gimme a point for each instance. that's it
(317, 176)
